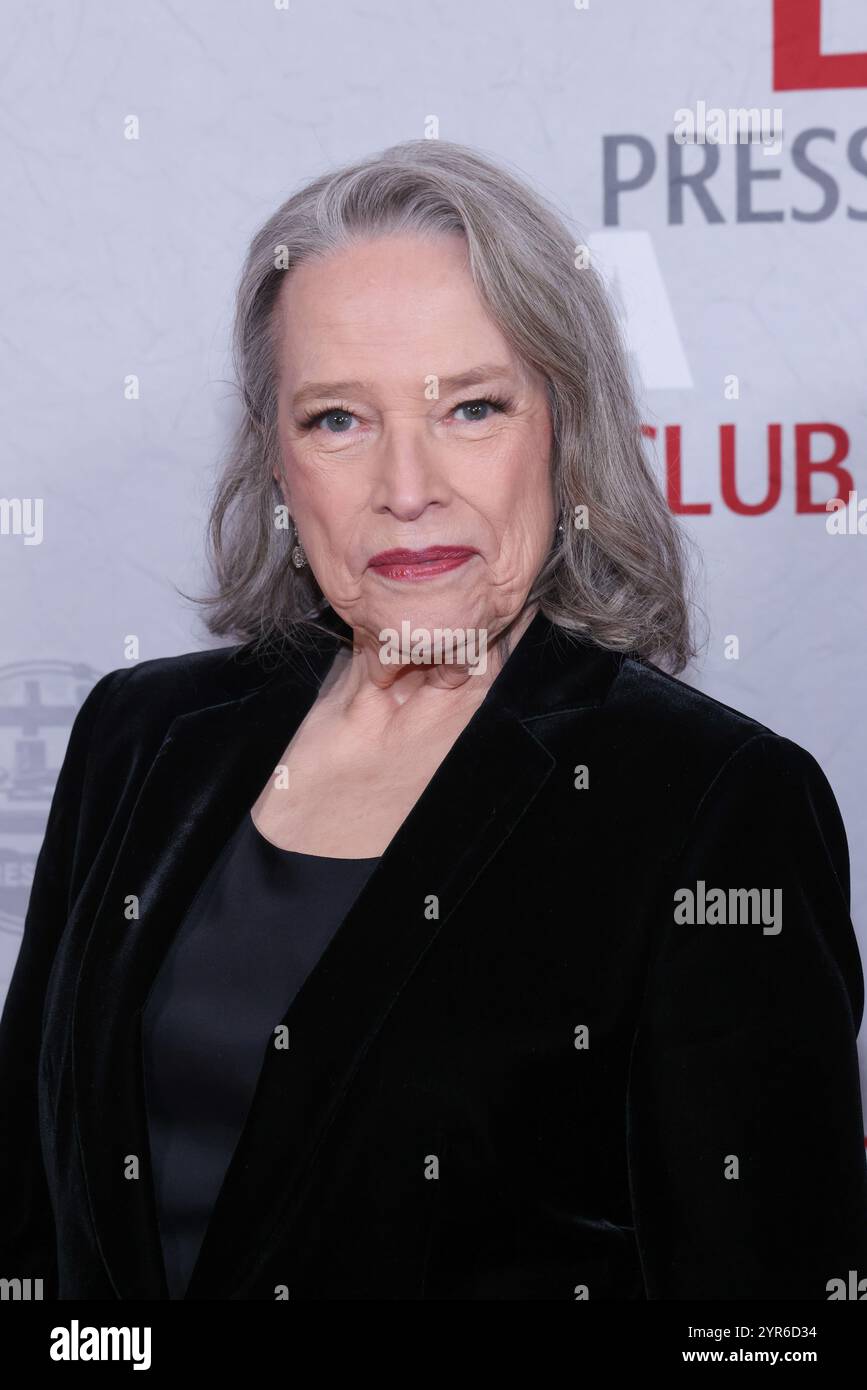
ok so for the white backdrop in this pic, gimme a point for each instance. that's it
(119, 257)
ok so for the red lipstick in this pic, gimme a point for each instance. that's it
(419, 564)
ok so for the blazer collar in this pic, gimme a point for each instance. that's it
(213, 763)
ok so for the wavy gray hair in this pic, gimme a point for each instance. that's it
(622, 581)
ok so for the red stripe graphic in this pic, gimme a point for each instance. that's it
(798, 62)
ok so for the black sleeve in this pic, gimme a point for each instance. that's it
(27, 1236)
(745, 1131)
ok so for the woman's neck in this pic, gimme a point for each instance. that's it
(358, 682)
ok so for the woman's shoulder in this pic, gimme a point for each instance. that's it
(699, 751)
(651, 706)
(683, 721)
(135, 705)
(190, 679)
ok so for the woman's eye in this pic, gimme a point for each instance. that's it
(473, 407)
(340, 418)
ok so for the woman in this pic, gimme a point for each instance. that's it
(358, 966)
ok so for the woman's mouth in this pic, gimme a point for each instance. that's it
(419, 564)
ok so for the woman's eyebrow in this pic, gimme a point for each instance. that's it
(315, 390)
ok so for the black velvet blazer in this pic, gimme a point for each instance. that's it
(513, 1074)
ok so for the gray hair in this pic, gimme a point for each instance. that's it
(622, 580)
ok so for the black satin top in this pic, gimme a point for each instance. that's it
(257, 927)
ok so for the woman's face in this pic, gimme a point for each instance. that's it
(382, 448)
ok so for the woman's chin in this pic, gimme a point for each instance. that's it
(428, 617)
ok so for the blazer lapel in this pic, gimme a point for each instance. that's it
(481, 789)
(212, 764)
(210, 769)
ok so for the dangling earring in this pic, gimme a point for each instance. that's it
(299, 559)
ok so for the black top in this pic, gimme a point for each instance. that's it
(257, 927)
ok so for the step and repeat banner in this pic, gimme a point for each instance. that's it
(711, 158)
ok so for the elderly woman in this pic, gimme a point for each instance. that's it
(434, 941)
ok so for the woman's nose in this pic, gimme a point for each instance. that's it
(409, 471)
